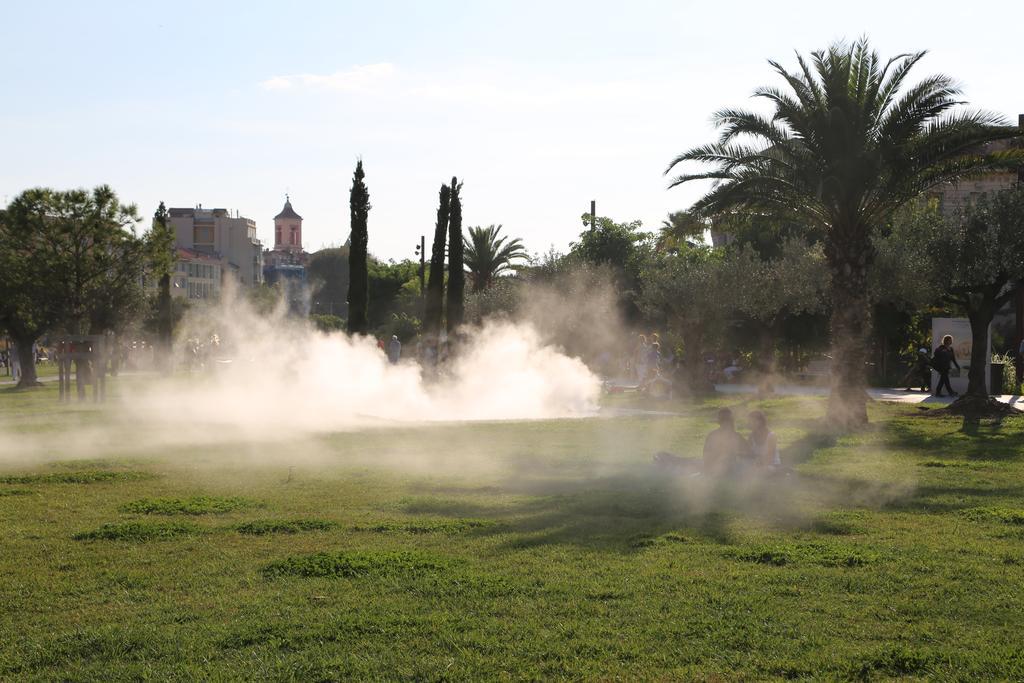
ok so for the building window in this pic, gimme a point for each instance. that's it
(202, 234)
(277, 235)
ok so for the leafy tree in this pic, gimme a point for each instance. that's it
(767, 291)
(456, 273)
(359, 209)
(623, 247)
(68, 260)
(329, 277)
(264, 298)
(435, 283)
(682, 292)
(843, 149)
(608, 242)
(975, 262)
(327, 323)
(488, 255)
(394, 288)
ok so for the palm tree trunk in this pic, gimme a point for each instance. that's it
(851, 329)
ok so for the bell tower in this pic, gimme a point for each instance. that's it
(288, 229)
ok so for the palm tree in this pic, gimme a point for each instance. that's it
(488, 255)
(845, 146)
(678, 229)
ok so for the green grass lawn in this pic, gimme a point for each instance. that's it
(522, 550)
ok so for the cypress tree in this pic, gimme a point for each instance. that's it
(435, 284)
(456, 269)
(163, 244)
(358, 279)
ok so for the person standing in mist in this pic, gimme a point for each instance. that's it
(942, 359)
(394, 350)
(640, 359)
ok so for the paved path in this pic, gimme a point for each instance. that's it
(889, 395)
(7, 381)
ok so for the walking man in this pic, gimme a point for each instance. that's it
(943, 358)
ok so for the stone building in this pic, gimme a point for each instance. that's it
(953, 197)
(216, 232)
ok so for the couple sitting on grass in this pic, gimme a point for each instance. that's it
(727, 452)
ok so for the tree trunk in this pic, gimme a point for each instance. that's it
(23, 345)
(164, 324)
(850, 329)
(697, 372)
(980, 313)
(766, 382)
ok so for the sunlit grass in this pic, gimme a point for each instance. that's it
(531, 550)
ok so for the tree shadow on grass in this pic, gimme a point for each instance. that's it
(986, 440)
(629, 511)
(954, 498)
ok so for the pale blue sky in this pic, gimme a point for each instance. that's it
(539, 106)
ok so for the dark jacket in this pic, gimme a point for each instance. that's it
(943, 358)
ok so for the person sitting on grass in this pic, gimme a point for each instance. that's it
(725, 451)
(763, 443)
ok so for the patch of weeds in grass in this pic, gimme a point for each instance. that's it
(826, 555)
(996, 514)
(774, 557)
(943, 463)
(261, 527)
(16, 492)
(357, 564)
(425, 526)
(138, 531)
(74, 477)
(895, 661)
(198, 505)
(83, 464)
(648, 541)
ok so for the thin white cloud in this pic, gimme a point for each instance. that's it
(355, 78)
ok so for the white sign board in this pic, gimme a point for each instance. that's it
(960, 330)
